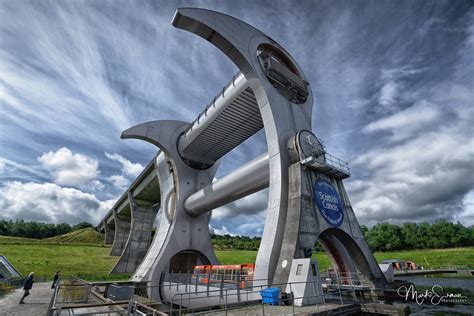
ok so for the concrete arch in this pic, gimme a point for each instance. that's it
(344, 252)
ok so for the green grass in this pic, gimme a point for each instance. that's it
(81, 236)
(82, 253)
(44, 259)
(104, 277)
(86, 236)
(433, 258)
(8, 240)
(236, 256)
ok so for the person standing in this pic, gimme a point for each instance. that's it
(56, 277)
(27, 286)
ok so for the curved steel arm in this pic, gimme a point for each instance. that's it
(227, 33)
(159, 133)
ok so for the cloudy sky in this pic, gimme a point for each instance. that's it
(393, 84)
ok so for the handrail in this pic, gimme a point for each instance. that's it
(49, 311)
(180, 309)
(136, 304)
(341, 282)
(329, 286)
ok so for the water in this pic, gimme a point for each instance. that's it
(465, 283)
(457, 310)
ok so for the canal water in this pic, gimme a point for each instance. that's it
(466, 283)
(449, 283)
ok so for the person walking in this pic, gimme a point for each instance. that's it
(27, 286)
(56, 277)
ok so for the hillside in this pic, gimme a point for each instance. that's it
(8, 240)
(81, 236)
(86, 236)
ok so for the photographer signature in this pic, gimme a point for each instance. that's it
(435, 296)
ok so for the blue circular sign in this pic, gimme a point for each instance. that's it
(328, 201)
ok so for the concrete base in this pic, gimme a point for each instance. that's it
(345, 244)
(304, 283)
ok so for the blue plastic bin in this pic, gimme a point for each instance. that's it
(270, 295)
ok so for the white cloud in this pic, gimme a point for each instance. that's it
(2, 165)
(36, 171)
(222, 231)
(242, 217)
(93, 72)
(411, 118)
(250, 205)
(119, 181)
(254, 228)
(424, 178)
(400, 72)
(49, 202)
(129, 168)
(391, 91)
(93, 186)
(467, 215)
(388, 93)
(68, 168)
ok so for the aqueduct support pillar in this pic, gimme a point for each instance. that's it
(109, 234)
(332, 222)
(139, 238)
(122, 230)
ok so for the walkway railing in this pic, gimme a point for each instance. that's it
(332, 287)
(221, 295)
(76, 293)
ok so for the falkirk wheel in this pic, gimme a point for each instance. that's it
(307, 201)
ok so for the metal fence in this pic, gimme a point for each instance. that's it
(332, 286)
(72, 293)
(230, 293)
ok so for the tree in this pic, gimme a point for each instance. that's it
(409, 232)
(63, 228)
(82, 225)
(364, 230)
(385, 237)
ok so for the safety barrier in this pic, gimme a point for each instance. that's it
(231, 293)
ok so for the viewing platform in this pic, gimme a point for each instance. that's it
(329, 165)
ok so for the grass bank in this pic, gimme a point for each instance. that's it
(44, 259)
(94, 260)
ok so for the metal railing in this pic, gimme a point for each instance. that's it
(13, 282)
(337, 163)
(222, 295)
(328, 287)
(139, 309)
(212, 103)
(178, 300)
(72, 291)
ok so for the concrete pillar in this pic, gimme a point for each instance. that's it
(109, 234)
(139, 238)
(122, 230)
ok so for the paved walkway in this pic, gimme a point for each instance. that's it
(35, 304)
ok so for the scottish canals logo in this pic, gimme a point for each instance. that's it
(329, 203)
